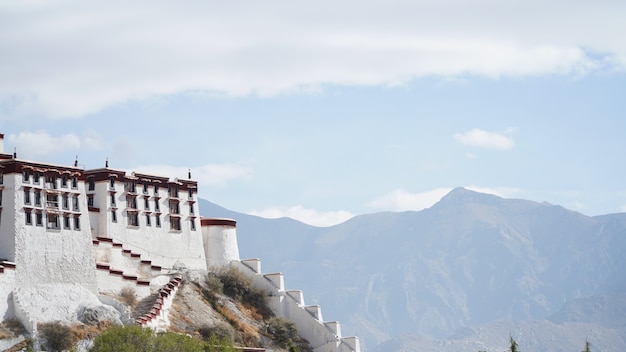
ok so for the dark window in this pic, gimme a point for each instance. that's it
(146, 203)
(175, 221)
(37, 198)
(192, 222)
(131, 202)
(74, 182)
(145, 187)
(66, 222)
(64, 181)
(133, 219)
(29, 218)
(27, 196)
(191, 210)
(148, 220)
(52, 200)
(25, 176)
(112, 199)
(174, 208)
(90, 200)
(75, 205)
(77, 223)
(112, 182)
(113, 216)
(53, 222)
(156, 188)
(39, 219)
(157, 220)
(92, 184)
(156, 205)
(35, 177)
(66, 201)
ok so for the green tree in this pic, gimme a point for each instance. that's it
(513, 347)
(284, 331)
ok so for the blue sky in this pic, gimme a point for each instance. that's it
(327, 110)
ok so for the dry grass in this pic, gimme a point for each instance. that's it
(82, 332)
(248, 334)
(11, 328)
(129, 297)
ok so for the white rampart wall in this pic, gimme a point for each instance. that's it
(8, 218)
(160, 243)
(220, 245)
(322, 336)
(7, 282)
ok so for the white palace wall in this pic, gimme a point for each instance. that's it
(322, 336)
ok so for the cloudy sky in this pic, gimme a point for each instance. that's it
(323, 110)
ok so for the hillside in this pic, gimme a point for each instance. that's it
(472, 261)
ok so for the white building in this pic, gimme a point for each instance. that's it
(67, 235)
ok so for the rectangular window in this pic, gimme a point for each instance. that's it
(174, 208)
(92, 184)
(36, 177)
(131, 186)
(53, 222)
(76, 223)
(131, 202)
(29, 218)
(1, 178)
(156, 189)
(113, 216)
(37, 198)
(156, 204)
(191, 208)
(146, 203)
(75, 206)
(133, 219)
(25, 176)
(66, 201)
(112, 182)
(112, 196)
(190, 193)
(39, 219)
(145, 187)
(74, 182)
(192, 223)
(51, 182)
(64, 181)
(173, 191)
(90, 200)
(66, 222)
(157, 220)
(52, 200)
(175, 221)
(148, 220)
(27, 196)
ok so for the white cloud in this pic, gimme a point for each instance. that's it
(402, 200)
(209, 175)
(308, 216)
(64, 60)
(485, 139)
(34, 145)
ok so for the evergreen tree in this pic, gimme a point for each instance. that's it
(513, 347)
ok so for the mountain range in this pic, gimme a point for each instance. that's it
(462, 275)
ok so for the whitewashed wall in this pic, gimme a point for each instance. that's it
(162, 245)
(322, 336)
(7, 282)
(220, 244)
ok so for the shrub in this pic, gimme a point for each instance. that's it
(123, 339)
(284, 331)
(56, 336)
(128, 296)
(219, 330)
(138, 339)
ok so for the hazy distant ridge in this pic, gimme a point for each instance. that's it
(470, 259)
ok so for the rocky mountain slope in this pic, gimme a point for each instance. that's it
(472, 261)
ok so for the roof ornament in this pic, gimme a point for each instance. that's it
(189, 174)
(76, 161)
(106, 164)
(14, 153)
